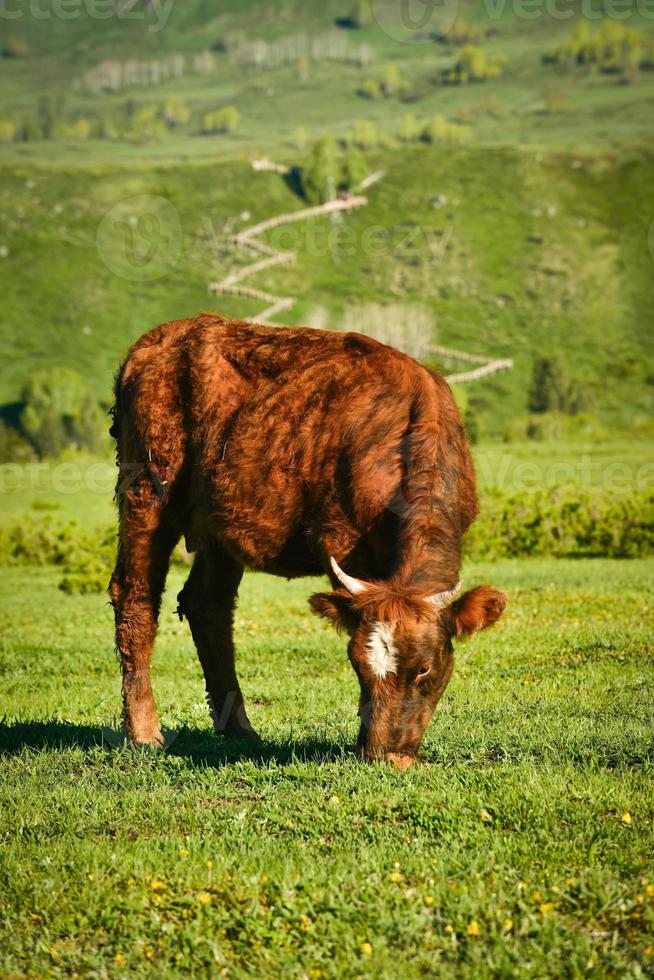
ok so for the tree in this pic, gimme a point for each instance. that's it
(548, 389)
(175, 111)
(370, 89)
(391, 79)
(46, 118)
(321, 175)
(7, 130)
(361, 14)
(364, 135)
(355, 168)
(224, 120)
(300, 138)
(410, 128)
(60, 411)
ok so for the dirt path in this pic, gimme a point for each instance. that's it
(269, 257)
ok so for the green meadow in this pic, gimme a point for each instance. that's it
(519, 846)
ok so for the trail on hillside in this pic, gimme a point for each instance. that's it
(249, 239)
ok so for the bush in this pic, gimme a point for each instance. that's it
(559, 522)
(563, 522)
(85, 556)
(175, 111)
(370, 89)
(439, 130)
(354, 169)
(321, 176)
(360, 15)
(613, 47)
(225, 120)
(473, 66)
(410, 129)
(364, 135)
(60, 412)
(7, 130)
(15, 48)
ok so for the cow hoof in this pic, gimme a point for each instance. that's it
(399, 759)
(153, 740)
(248, 733)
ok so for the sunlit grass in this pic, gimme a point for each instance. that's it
(520, 845)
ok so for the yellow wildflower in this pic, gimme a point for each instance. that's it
(395, 876)
(429, 899)
(626, 818)
(473, 928)
(650, 890)
(204, 898)
(120, 960)
(157, 885)
(508, 924)
(305, 922)
(546, 907)
(366, 949)
(449, 929)
(183, 852)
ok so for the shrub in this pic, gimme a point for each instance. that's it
(7, 130)
(391, 79)
(321, 176)
(60, 411)
(563, 522)
(225, 120)
(473, 66)
(15, 48)
(175, 111)
(613, 47)
(354, 169)
(370, 89)
(439, 130)
(410, 128)
(361, 14)
(364, 135)
(559, 522)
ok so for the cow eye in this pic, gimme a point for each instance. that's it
(423, 672)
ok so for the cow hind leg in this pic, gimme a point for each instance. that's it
(145, 545)
(208, 600)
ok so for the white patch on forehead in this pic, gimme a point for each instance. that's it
(381, 650)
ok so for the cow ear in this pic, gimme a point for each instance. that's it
(337, 607)
(477, 610)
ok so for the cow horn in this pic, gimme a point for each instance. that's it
(443, 599)
(353, 585)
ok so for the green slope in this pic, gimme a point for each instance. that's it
(513, 253)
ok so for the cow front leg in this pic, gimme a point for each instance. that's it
(208, 600)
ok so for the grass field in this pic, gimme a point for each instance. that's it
(520, 845)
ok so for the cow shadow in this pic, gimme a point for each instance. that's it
(199, 746)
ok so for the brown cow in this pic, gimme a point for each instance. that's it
(295, 452)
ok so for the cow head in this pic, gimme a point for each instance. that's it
(401, 649)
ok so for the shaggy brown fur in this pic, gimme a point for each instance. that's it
(275, 449)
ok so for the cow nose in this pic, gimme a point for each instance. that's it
(401, 760)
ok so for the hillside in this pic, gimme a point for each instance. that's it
(513, 253)
(512, 219)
